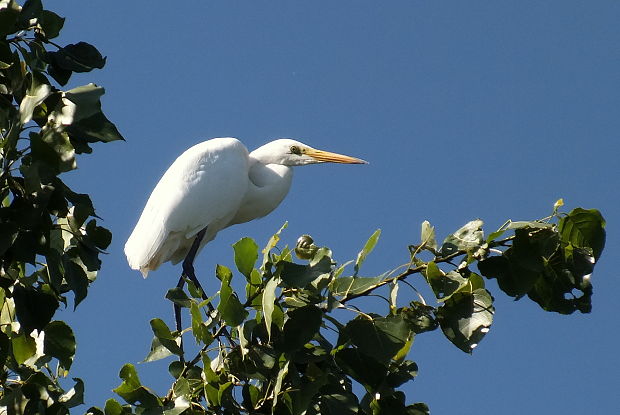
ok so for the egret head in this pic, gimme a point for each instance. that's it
(293, 153)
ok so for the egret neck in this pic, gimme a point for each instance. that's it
(267, 187)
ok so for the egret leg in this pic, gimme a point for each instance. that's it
(188, 262)
(188, 271)
(177, 316)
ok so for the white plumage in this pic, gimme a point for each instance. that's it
(213, 185)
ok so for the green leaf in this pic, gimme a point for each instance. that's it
(132, 391)
(199, 329)
(427, 235)
(253, 286)
(381, 337)
(494, 235)
(5, 342)
(24, 347)
(178, 296)
(268, 302)
(8, 234)
(33, 307)
(302, 325)
(420, 317)
(59, 342)
(51, 24)
(8, 18)
(511, 278)
(157, 351)
(402, 373)
(299, 276)
(77, 279)
(366, 250)
(246, 254)
(362, 367)
(522, 265)
(584, 229)
(35, 95)
(74, 396)
(418, 408)
(273, 241)
(528, 224)
(466, 238)
(54, 149)
(30, 10)
(339, 404)
(113, 407)
(81, 113)
(230, 308)
(466, 317)
(98, 235)
(552, 272)
(444, 285)
(278, 385)
(165, 336)
(353, 285)
(78, 57)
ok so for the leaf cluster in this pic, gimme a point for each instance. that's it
(294, 342)
(50, 241)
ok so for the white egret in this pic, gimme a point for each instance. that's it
(211, 186)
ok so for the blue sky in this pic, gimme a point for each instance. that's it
(464, 110)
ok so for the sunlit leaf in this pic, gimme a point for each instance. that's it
(75, 395)
(132, 391)
(273, 241)
(468, 237)
(165, 336)
(157, 351)
(35, 95)
(230, 308)
(24, 347)
(199, 329)
(584, 228)
(246, 254)
(178, 296)
(427, 235)
(268, 302)
(278, 385)
(113, 407)
(366, 250)
(353, 285)
(444, 285)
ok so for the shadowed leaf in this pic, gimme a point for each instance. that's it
(59, 342)
(466, 317)
(381, 337)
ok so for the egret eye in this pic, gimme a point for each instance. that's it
(296, 150)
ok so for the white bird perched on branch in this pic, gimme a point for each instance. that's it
(211, 186)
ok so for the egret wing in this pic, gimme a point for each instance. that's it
(204, 187)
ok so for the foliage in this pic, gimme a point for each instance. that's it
(293, 342)
(50, 241)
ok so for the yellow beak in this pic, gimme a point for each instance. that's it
(327, 157)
